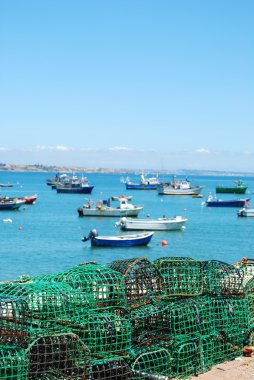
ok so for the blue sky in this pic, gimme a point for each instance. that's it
(128, 84)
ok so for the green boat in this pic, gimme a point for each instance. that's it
(238, 188)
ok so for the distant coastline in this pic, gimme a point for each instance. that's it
(6, 167)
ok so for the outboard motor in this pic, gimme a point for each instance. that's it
(92, 234)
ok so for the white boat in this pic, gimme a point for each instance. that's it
(179, 187)
(160, 224)
(246, 212)
(103, 208)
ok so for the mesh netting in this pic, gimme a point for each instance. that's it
(40, 304)
(191, 316)
(115, 368)
(150, 362)
(182, 276)
(228, 345)
(149, 322)
(247, 266)
(103, 332)
(62, 354)
(143, 281)
(133, 319)
(249, 294)
(13, 363)
(185, 353)
(230, 313)
(105, 285)
(223, 279)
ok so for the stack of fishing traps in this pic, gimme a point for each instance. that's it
(131, 319)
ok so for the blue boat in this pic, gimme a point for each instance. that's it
(119, 240)
(74, 189)
(214, 202)
(11, 204)
(74, 185)
(146, 183)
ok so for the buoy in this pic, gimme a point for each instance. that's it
(164, 242)
(20, 228)
(248, 351)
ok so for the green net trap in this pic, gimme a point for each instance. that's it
(178, 316)
(57, 354)
(182, 276)
(223, 279)
(247, 266)
(230, 314)
(114, 368)
(40, 304)
(249, 294)
(190, 356)
(228, 345)
(103, 332)
(132, 319)
(192, 316)
(13, 363)
(143, 281)
(13, 317)
(104, 285)
(149, 322)
(150, 362)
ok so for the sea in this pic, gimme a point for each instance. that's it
(45, 238)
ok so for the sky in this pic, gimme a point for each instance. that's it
(139, 84)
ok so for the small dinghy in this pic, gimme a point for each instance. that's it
(118, 240)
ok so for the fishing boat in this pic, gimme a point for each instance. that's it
(30, 199)
(160, 224)
(179, 187)
(246, 212)
(215, 202)
(119, 240)
(54, 180)
(79, 188)
(145, 183)
(74, 185)
(11, 204)
(104, 208)
(6, 185)
(238, 188)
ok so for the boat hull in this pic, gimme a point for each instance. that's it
(121, 241)
(168, 190)
(138, 186)
(231, 190)
(108, 212)
(163, 224)
(30, 199)
(11, 205)
(227, 203)
(6, 185)
(246, 212)
(75, 190)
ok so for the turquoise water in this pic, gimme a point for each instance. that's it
(46, 237)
